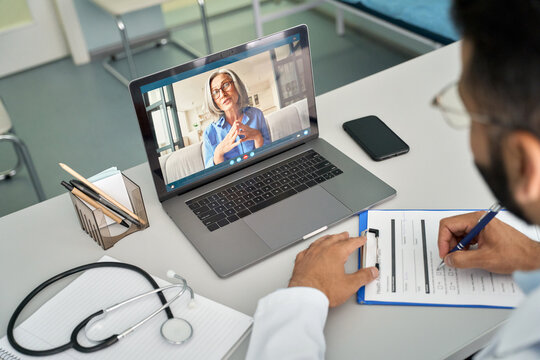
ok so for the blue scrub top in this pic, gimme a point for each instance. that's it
(216, 132)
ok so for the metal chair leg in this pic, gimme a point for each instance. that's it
(21, 148)
(202, 8)
(257, 17)
(106, 64)
(128, 52)
(340, 22)
(127, 48)
(6, 174)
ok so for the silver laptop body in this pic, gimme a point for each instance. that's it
(261, 200)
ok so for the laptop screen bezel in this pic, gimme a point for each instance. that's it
(145, 123)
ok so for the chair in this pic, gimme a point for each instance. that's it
(118, 8)
(7, 134)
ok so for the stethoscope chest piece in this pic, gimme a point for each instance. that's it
(176, 330)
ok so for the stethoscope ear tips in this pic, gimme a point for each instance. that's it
(172, 275)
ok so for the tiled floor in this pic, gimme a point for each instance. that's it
(82, 116)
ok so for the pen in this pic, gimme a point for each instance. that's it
(480, 225)
(99, 191)
(100, 199)
(95, 204)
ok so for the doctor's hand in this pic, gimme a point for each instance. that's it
(322, 266)
(501, 248)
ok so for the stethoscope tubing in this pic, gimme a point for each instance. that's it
(128, 331)
(73, 343)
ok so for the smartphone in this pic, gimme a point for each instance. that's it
(375, 137)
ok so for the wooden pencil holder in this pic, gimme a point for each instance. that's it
(95, 225)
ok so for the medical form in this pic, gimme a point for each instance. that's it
(408, 257)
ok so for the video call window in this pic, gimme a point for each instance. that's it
(226, 115)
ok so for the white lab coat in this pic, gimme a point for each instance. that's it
(289, 324)
(520, 336)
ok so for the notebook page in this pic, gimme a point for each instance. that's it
(216, 328)
(114, 186)
(410, 257)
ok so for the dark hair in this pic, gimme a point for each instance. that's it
(503, 75)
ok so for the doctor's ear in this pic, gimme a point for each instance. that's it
(521, 154)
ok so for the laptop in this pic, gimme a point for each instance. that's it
(235, 154)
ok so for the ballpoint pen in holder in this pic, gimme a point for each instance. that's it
(95, 224)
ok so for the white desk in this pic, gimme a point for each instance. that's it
(45, 239)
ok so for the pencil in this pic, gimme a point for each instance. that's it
(95, 204)
(99, 191)
(100, 199)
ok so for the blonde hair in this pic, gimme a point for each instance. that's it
(211, 106)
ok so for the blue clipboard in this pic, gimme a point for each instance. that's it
(361, 293)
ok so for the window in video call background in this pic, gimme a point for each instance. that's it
(287, 82)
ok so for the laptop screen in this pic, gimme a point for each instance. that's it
(217, 114)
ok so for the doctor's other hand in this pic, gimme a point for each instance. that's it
(322, 266)
(501, 248)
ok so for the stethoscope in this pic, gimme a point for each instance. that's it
(174, 330)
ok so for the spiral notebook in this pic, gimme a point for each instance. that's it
(217, 329)
(408, 258)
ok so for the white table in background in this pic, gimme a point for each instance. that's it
(45, 239)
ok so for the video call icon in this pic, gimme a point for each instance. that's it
(238, 159)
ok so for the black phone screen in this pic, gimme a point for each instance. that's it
(375, 137)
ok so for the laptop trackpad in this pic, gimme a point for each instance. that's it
(291, 219)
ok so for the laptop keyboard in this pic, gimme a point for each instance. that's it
(262, 189)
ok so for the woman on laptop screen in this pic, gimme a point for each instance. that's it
(239, 128)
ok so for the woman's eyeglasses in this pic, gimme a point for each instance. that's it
(450, 103)
(225, 87)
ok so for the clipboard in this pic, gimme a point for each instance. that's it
(365, 297)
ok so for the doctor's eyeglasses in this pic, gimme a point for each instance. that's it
(450, 103)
